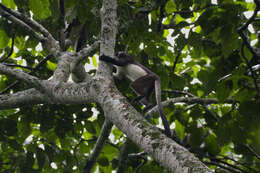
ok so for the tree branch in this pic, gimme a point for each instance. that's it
(28, 21)
(123, 156)
(43, 61)
(83, 53)
(22, 98)
(105, 131)
(11, 51)
(188, 100)
(28, 25)
(244, 27)
(20, 75)
(25, 26)
(77, 67)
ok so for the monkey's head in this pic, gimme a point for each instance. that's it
(123, 55)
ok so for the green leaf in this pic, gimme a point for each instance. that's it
(170, 7)
(3, 39)
(29, 160)
(103, 161)
(178, 19)
(178, 81)
(51, 66)
(40, 8)
(179, 128)
(94, 61)
(212, 145)
(40, 155)
(90, 127)
(249, 109)
(223, 90)
(196, 135)
(9, 3)
(228, 40)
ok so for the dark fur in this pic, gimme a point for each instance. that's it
(143, 86)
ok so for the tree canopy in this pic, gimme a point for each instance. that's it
(62, 111)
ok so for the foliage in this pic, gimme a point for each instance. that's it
(195, 49)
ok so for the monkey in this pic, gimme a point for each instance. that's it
(144, 81)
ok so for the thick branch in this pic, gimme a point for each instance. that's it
(53, 93)
(164, 150)
(77, 67)
(62, 71)
(108, 35)
(19, 99)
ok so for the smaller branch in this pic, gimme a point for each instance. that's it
(214, 159)
(175, 62)
(253, 151)
(161, 16)
(16, 65)
(239, 163)
(253, 75)
(31, 73)
(123, 156)
(105, 131)
(28, 21)
(20, 75)
(12, 85)
(83, 53)
(244, 27)
(223, 167)
(77, 67)
(43, 61)
(179, 92)
(62, 27)
(25, 26)
(189, 100)
(11, 51)
(62, 9)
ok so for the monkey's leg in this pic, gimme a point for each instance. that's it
(137, 99)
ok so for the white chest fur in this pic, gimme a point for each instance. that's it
(131, 71)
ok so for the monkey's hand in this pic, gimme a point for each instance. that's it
(106, 58)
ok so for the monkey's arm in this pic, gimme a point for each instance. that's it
(118, 62)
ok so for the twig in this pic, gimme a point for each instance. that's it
(221, 166)
(11, 51)
(62, 27)
(16, 65)
(161, 16)
(244, 27)
(239, 163)
(253, 151)
(175, 62)
(253, 74)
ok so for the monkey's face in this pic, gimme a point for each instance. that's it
(123, 55)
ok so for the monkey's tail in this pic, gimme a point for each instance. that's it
(160, 109)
